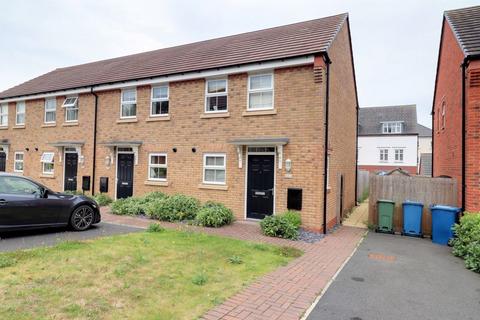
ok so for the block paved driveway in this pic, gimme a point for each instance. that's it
(394, 277)
(11, 241)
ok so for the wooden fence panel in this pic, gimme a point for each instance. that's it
(363, 180)
(420, 189)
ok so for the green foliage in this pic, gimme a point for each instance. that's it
(153, 196)
(6, 261)
(279, 226)
(293, 217)
(129, 206)
(289, 252)
(214, 214)
(73, 193)
(178, 207)
(200, 279)
(102, 199)
(155, 227)
(467, 243)
(235, 260)
(364, 195)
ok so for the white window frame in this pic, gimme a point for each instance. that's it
(152, 100)
(128, 102)
(70, 106)
(15, 161)
(399, 152)
(395, 126)
(50, 111)
(216, 94)
(4, 114)
(272, 89)
(43, 161)
(383, 152)
(215, 167)
(20, 103)
(150, 165)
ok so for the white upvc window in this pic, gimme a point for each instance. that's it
(157, 167)
(214, 168)
(47, 162)
(216, 96)
(18, 162)
(20, 113)
(260, 92)
(392, 127)
(399, 155)
(71, 109)
(50, 110)
(383, 155)
(128, 107)
(4, 115)
(160, 101)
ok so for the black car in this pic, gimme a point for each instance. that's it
(26, 204)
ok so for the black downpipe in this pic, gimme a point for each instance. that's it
(325, 160)
(464, 120)
(94, 141)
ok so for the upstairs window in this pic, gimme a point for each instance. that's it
(260, 92)
(392, 127)
(47, 162)
(129, 103)
(18, 162)
(399, 155)
(71, 109)
(157, 167)
(159, 101)
(214, 168)
(383, 155)
(50, 110)
(20, 114)
(216, 96)
(4, 115)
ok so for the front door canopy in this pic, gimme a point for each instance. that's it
(61, 145)
(111, 145)
(277, 142)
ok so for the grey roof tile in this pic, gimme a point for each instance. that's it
(370, 118)
(465, 23)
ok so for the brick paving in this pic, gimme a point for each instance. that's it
(285, 293)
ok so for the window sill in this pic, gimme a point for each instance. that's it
(127, 120)
(4, 128)
(70, 124)
(47, 176)
(215, 115)
(19, 127)
(158, 118)
(213, 186)
(259, 112)
(156, 183)
(49, 125)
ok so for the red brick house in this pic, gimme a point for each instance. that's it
(456, 105)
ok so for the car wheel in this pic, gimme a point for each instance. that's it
(82, 218)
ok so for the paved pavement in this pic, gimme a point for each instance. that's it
(394, 277)
(12, 241)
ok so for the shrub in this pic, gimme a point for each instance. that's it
(128, 206)
(293, 217)
(467, 243)
(155, 227)
(279, 226)
(73, 193)
(199, 279)
(102, 199)
(174, 208)
(153, 196)
(235, 260)
(214, 214)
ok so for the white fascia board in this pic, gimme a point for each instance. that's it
(253, 67)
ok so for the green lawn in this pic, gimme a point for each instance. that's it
(161, 275)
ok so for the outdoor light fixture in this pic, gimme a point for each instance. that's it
(108, 161)
(81, 159)
(288, 165)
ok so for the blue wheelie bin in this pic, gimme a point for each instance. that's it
(412, 218)
(443, 219)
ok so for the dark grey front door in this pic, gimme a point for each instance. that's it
(125, 175)
(71, 166)
(3, 161)
(260, 185)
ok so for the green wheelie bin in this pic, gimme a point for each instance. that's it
(385, 209)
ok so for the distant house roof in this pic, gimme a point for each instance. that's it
(426, 164)
(465, 24)
(294, 40)
(423, 131)
(370, 119)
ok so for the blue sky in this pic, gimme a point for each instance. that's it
(395, 43)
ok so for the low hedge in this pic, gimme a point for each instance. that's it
(467, 242)
(178, 207)
(284, 225)
(214, 214)
(102, 199)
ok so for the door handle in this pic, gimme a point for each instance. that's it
(3, 202)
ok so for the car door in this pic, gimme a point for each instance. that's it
(22, 205)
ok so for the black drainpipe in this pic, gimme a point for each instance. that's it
(325, 160)
(94, 140)
(464, 120)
